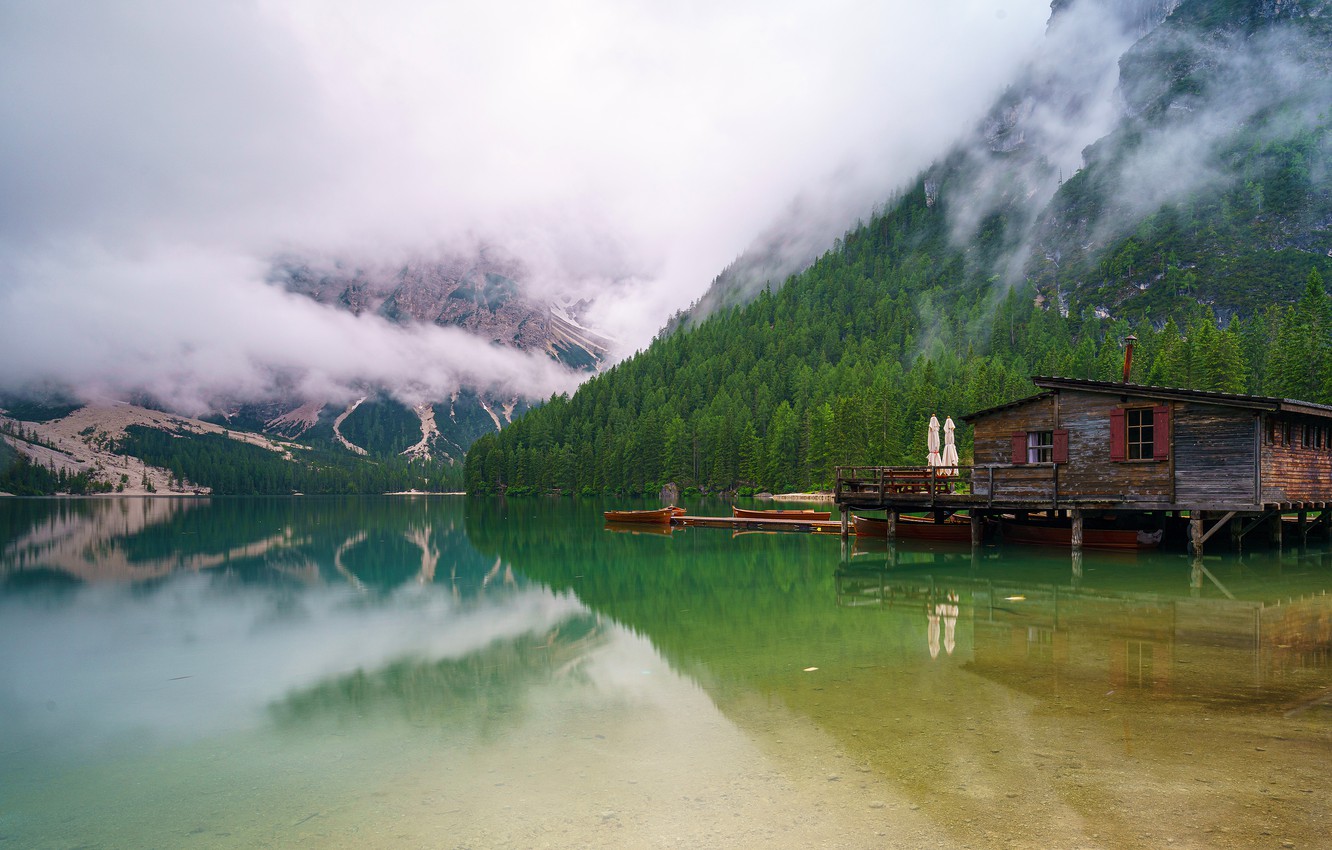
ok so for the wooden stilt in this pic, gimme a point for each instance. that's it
(846, 524)
(1196, 534)
(892, 526)
(977, 529)
(1077, 530)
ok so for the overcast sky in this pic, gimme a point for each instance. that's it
(154, 156)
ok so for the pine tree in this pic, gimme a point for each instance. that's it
(1302, 353)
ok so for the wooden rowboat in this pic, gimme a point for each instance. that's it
(746, 513)
(660, 516)
(913, 528)
(1036, 534)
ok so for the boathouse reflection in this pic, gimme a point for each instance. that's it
(1044, 638)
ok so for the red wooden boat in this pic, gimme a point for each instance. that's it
(746, 513)
(660, 516)
(913, 528)
(1037, 534)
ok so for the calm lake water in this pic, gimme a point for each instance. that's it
(452, 673)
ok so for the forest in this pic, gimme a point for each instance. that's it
(847, 361)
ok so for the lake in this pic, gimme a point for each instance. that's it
(447, 672)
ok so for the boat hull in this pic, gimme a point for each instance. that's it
(914, 528)
(1121, 539)
(659, 516)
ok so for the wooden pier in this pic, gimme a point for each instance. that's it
(815, 526)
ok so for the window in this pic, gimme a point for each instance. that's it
(1140, 433)
(1040, 446)
(1306, 436)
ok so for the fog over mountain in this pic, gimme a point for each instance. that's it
(157, 158)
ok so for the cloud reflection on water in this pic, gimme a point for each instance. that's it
(109, 665)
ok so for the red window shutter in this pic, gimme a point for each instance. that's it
(1020, 447)
(1059, 453)
(1161, 431)
(1118, 437)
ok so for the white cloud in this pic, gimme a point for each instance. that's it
(155, 155)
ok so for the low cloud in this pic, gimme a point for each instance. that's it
(1152, 107)
(155, 157)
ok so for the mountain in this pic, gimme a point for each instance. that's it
(1154, 154)
(117, 447)
(370, 443)
(1159, 168)
(480, 293)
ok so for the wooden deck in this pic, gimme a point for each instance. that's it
(997, 490)
(1029, 486)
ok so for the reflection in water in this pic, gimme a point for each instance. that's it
(1033, 636)
(447, 672)
(193, 659)
(371, 544)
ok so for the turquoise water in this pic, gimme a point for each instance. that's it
(445, 672)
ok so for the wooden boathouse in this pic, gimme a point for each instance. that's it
(1126, 454)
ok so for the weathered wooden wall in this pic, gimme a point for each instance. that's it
(994, 433)
(1294, 472)
(1214, 455)
(1090, 471)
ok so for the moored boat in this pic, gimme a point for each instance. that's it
(657, 515)
(747, 513)
(913, 528)
(1048, 534)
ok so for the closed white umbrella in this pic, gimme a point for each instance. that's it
(949, 460)
(934, 459)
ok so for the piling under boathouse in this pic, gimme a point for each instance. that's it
(1127, 454)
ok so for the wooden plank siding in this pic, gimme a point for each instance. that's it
(993, 442)
(1293, 472)
(1214, 454)
(1090, 472)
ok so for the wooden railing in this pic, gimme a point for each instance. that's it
(891, 481)
(1036, 483)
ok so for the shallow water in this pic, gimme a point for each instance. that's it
(444, 672)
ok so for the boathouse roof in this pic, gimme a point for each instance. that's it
(1250, 402)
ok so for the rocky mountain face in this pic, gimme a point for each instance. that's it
(480, 294)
